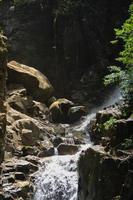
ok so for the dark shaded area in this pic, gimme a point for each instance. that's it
(70, 49)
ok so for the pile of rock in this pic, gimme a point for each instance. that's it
(15, 178)
(30, 135)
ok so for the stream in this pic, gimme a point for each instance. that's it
(57, 178)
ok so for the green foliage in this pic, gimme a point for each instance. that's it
(107, 127)
(124, 76)
(114, 77)
(110, 124)
(126, 35)
(128, 143)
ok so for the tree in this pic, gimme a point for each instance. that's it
(124, 75)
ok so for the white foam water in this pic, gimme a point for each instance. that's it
(57, 179)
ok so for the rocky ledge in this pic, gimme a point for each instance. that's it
(106, 169)
(102, 176)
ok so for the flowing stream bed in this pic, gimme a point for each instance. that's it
(57, 178)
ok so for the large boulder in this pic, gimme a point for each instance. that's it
(34, 81)
(104, 115)
(64, 149)
(123, 130)
(59, 110)
(18, 99)
(46, 148)
(102, 176)
(75, 113)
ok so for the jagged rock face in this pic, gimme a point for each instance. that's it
(102, 176)
(15, 178)
(64, 47)
(3, 60)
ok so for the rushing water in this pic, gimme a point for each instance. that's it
(57, 179)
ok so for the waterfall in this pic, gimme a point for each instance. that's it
(111, 99)
(57, 178)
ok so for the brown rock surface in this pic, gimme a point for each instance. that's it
(34, 81)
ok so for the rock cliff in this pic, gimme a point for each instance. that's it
(73, 45)
(3, 76)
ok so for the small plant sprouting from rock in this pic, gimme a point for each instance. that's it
(127, 143)
(106, 127)
(110, 123)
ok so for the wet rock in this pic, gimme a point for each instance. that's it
(32, 159)
(46, 152)
(101, 176)
(34, 81)
(64, 149)
(123, 130)
(104, 115)
(105, 126)
(75, 113)
(56, 141)
(19, 176)
(59, 110)
(45, 148)
(30, 150)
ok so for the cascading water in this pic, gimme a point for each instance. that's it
(57, 179)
